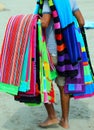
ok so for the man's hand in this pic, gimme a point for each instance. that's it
(45, 20)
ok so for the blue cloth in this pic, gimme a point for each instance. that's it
(72, 44)
(65, 14)
(36, 8)
(50, 36)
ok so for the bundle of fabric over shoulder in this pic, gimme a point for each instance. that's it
(72, 51)
(25, 71)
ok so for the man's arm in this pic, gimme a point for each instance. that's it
(79, 17)
(46, 17)
(45, 20)
(77, 13)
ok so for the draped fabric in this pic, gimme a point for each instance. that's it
(25, 66)
(73, 57)
(87, 66)
(82, 85)
(43, 84)
(12, 53)
(67, 46)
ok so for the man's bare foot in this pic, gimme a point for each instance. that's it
(64, 124)
(49, 122)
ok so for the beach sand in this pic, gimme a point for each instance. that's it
(19, 116)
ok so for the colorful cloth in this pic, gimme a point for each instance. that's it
(73, 60)
(84, 86)
(12, 53)
(87, 66)
(25, 68)
(64, 37)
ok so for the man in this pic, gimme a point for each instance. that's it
(47, 22)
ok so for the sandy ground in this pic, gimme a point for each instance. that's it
(17, 116)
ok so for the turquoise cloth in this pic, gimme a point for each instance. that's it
(65, 18)
(36, 8)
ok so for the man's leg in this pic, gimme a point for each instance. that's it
(65, 100)
(52, 118)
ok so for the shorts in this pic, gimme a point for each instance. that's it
(60, 80)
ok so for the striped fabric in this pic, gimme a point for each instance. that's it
(42, 90)
(12, 53)
(64, 37)
(73, 58)
(76, 85)
(25, 69)
(87, 66)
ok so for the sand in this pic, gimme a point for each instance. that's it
(2, 7)
(19, 116)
